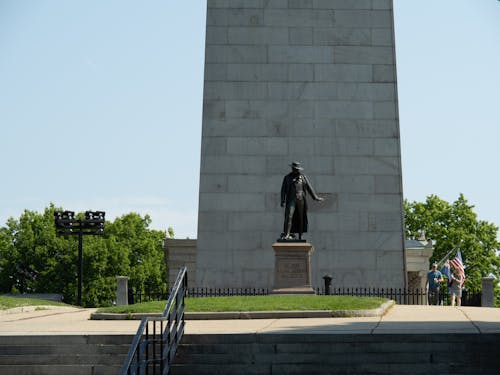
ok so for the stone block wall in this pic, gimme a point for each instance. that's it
(311, 81)
(180, 253)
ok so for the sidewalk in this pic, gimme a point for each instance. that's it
(399, 319)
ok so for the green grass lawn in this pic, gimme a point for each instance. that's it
(257, 303)
(11, 302)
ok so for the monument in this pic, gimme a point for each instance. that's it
(313, 81)
(292, 260)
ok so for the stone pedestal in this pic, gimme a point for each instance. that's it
(487, 294)
(121, 290)
(292, 268)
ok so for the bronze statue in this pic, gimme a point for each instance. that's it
(293, 197)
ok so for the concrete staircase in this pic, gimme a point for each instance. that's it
(63, 354)
(361, 354)
(272, 354)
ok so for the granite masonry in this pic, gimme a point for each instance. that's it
(312, 81)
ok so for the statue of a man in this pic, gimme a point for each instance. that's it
(293, 197)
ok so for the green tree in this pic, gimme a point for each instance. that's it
(141, 249)
(127, 248)
(30, 243)
(456, 225)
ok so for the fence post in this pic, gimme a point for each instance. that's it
(487, 294)
(121, 290)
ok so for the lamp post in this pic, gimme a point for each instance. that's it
(68, 225)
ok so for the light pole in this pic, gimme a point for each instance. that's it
(68, 225)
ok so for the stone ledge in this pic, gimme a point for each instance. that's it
(257, 314)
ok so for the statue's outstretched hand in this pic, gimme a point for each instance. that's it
(320, 199)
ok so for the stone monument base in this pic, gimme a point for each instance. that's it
(292, 267)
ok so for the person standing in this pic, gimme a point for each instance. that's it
(434, 279)
(457, 281)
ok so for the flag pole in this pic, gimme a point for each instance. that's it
(447, 255)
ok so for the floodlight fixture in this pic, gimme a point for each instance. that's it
(67, 224)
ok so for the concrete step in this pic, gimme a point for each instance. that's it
(65, 339)
(59, 370)
(61, 359)
(62, 349)
(337, 359)
(337, 354)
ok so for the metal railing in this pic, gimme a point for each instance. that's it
(221, 292)
(400, 295)
(403, 296)
(155, 343)
(199, 292)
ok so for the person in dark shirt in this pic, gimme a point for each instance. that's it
(434, 279)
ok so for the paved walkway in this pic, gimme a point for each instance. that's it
(399, 319)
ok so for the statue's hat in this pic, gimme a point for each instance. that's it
(296, 165)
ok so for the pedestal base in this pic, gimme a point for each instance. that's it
(292, 268)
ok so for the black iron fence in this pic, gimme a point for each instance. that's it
(400, 295)
(468, 298)
(404, 296)
(220, 292)
(197, 292)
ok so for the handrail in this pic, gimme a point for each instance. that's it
(144, 350)
(181, 279)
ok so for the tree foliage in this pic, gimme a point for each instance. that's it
(456, 225)
(34, 259)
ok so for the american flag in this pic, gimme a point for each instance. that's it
(457, 262)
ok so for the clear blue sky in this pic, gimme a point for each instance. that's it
(100, 105)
